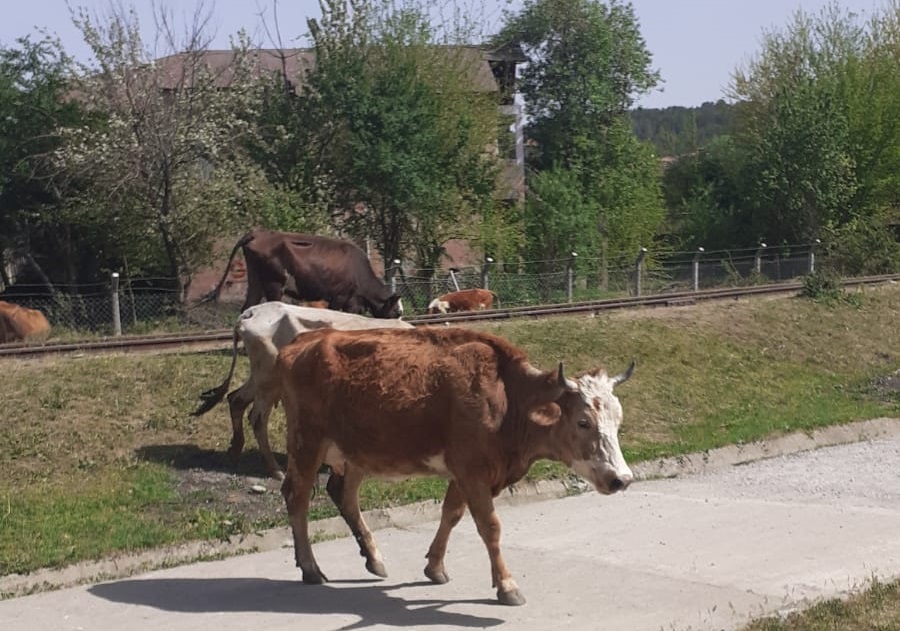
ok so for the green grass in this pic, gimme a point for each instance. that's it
(877, 608)
(91, 447)
(128, 513)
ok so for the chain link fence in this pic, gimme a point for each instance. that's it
(152, 305)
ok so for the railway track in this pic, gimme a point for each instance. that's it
(223, 336)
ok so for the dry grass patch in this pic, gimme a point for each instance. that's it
(874, 609)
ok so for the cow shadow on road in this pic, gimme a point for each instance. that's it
(369, 600)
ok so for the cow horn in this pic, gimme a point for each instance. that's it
(625, 376)
(564, 383)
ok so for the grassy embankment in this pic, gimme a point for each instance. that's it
(91, 448)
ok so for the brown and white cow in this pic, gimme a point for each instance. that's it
(436, 401)
(18, 323)
(265, 329)
(463, 300)
(309, 267)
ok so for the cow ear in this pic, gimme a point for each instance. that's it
(546, 414)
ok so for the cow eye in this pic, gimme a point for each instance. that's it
(584, 423)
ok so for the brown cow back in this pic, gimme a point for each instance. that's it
(392, 399)
(18, 323)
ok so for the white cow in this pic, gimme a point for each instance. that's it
(265, 329)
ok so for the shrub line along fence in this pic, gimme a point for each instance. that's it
(144, 305)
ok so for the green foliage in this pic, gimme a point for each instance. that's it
(814, 147)
(399, 135)
(865, 246)
(558, 219)
(586, 63)
(33, 81)
(826, 287)
(162, 172)
(676, 131)
(704, 195)
(817, 124)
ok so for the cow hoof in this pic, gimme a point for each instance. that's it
(377, 568)
(437, 575)
(314, 578)
(513, 598)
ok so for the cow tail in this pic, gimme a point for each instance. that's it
(210, 398)
(214, 294)
(496, 299)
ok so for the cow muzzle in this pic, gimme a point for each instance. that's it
(620, 482)
(607, 480)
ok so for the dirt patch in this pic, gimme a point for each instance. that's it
(241, 491)
(255, 499)
(887, 387)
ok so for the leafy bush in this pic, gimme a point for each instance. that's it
(826, 287)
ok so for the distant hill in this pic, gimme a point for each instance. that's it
(679, 130)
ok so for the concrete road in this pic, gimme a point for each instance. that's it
(706, 551)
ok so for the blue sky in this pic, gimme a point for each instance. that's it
(696, 44)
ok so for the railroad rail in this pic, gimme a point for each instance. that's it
(223, 336)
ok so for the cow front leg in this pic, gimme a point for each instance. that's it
(303, 465)
(344, 492)
(453, 509)
(481, 505)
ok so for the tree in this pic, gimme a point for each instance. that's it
(162, 167)
(33, 80)
(404, 134)
(587, 64)
(706, 197)
(818, 123)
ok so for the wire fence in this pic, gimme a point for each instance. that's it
(152, 305)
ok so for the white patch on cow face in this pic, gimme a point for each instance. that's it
(400, 306)
(438, 306)
(607, 469)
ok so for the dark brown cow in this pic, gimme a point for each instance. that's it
(436, 401)
(311, 268)
(18, 323)
(463, 300)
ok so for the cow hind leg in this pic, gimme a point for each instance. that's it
(452, 511)
(297, 489)
(481, 505)
(259, 420)
(344, 492)
(238, 402)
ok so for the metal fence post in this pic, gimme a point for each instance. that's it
(638, 268)
(697, 269)
(394, 269)
(488, 260)
(757, 261)
(812, 256)
(116, 316)
(453, 271)
(570, 276)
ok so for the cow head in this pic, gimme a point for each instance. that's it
(389, 309)
(586, 419)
